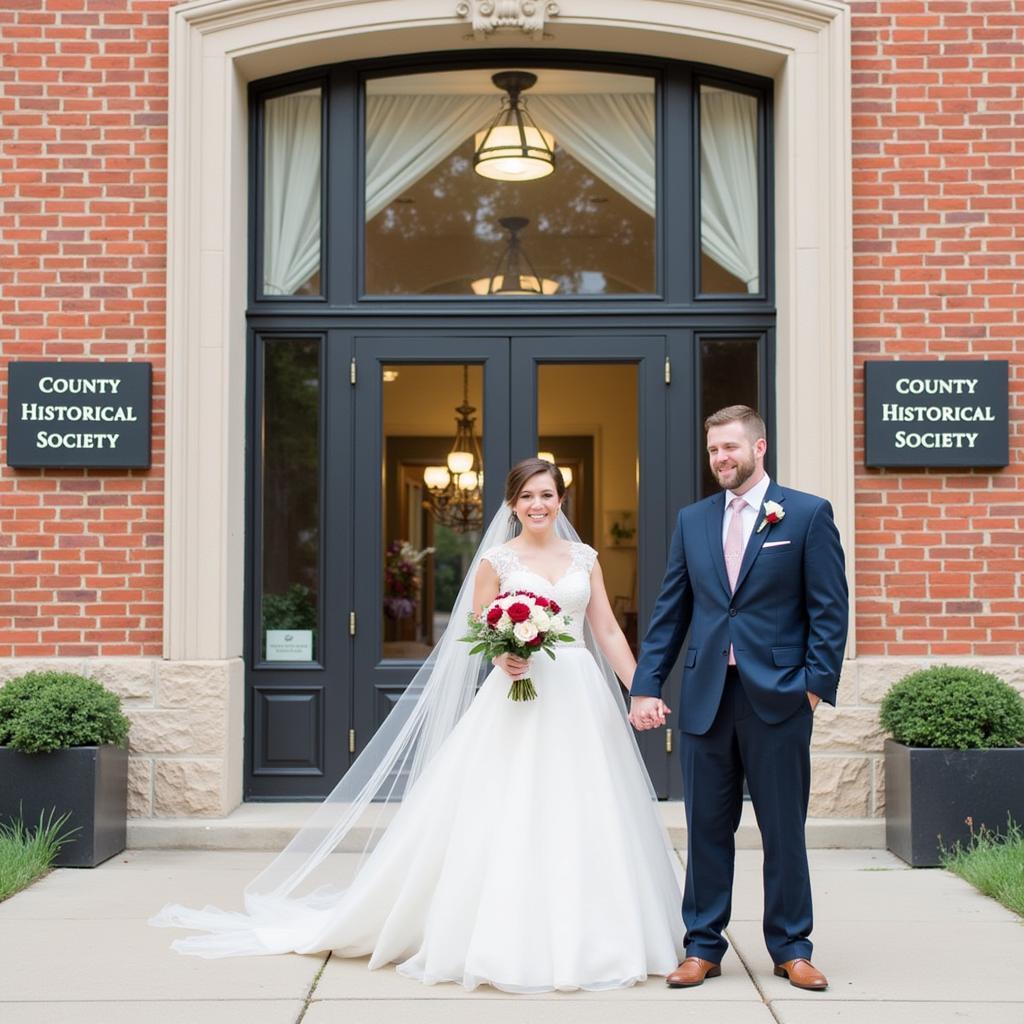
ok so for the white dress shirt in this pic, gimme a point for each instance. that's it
(754, 499)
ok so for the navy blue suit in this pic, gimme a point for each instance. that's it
(787, 623)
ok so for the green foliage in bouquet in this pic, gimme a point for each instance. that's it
(44, 711)
(954, 707)
(493, 634)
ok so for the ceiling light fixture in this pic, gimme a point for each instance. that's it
(512, 147)
(455, 491)
(508, 277)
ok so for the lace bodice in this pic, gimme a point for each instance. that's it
(571, 590)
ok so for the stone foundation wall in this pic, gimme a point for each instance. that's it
(187, 726)
(186, 734)
(847, 766)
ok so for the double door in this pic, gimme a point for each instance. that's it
(619, 412)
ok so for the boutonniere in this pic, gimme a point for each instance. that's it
(773, 513)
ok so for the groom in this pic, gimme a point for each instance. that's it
(756, 576)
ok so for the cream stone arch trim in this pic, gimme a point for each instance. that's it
(217, 46)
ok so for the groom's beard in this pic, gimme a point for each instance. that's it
(737, 476)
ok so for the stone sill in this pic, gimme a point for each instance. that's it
(269, 826)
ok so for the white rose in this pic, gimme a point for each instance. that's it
(558, 623)
(540, 619)
(504, 622)
(524, 631)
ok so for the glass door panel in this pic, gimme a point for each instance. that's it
(730, 374)
(432, 503)
(431, 452)
(587, 420)
(290, 513)
(298, 695)
(599, 404)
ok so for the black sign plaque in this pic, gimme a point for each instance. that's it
(92, 414)
(936, 413)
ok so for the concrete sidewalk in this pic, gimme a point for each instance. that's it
(900, 947)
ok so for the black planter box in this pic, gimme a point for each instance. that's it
(89, 782)
(930, 793)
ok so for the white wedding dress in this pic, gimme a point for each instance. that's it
(530, 854)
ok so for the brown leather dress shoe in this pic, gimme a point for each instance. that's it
(692, 971)
(802, 974)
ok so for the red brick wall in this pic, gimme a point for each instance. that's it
(83, 185)
(938, 239)
(938, 144)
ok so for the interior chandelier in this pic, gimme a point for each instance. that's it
(565, 470)
(455, 492)
(508, 277)
(512, 147)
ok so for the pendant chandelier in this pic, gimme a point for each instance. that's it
(509, 277)
(512, 147)
(565, 470)
(455, 491)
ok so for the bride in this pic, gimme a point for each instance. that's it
(517, 844)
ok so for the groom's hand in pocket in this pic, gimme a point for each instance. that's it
(648, 712)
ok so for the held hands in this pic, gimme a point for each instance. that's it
(513, 667)
(648, 712)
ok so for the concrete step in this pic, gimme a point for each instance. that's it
(269, 826)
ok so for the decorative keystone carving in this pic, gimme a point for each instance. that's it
(488, 16)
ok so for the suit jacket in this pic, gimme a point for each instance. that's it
(787, 619)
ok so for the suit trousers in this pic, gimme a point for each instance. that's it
(776, 762)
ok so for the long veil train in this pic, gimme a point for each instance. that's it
(284, 903)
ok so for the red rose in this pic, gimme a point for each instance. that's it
(518, 612)
(555, 608)
(542, 602)
(536, 641)
(493, 615)
(772, 517)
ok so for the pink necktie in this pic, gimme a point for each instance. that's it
(734, 550)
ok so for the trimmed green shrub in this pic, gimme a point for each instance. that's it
(44, 711)
(951, 706)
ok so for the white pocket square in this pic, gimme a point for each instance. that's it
(775, 543)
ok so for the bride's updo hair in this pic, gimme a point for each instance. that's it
(522, 471)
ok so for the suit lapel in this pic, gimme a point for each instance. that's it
(713, 522)
(756, 542)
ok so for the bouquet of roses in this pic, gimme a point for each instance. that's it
(519, 623)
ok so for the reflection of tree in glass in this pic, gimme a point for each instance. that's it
(294, 609)
(291, 459)
(444, 232)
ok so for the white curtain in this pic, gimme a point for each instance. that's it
(728, 182)
(408, 135)
(611, 134)
(291, 248)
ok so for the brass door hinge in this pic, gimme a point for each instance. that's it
(352, 371)
(351, 623)
(668, 740)
(668, 370)
(351, 741)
